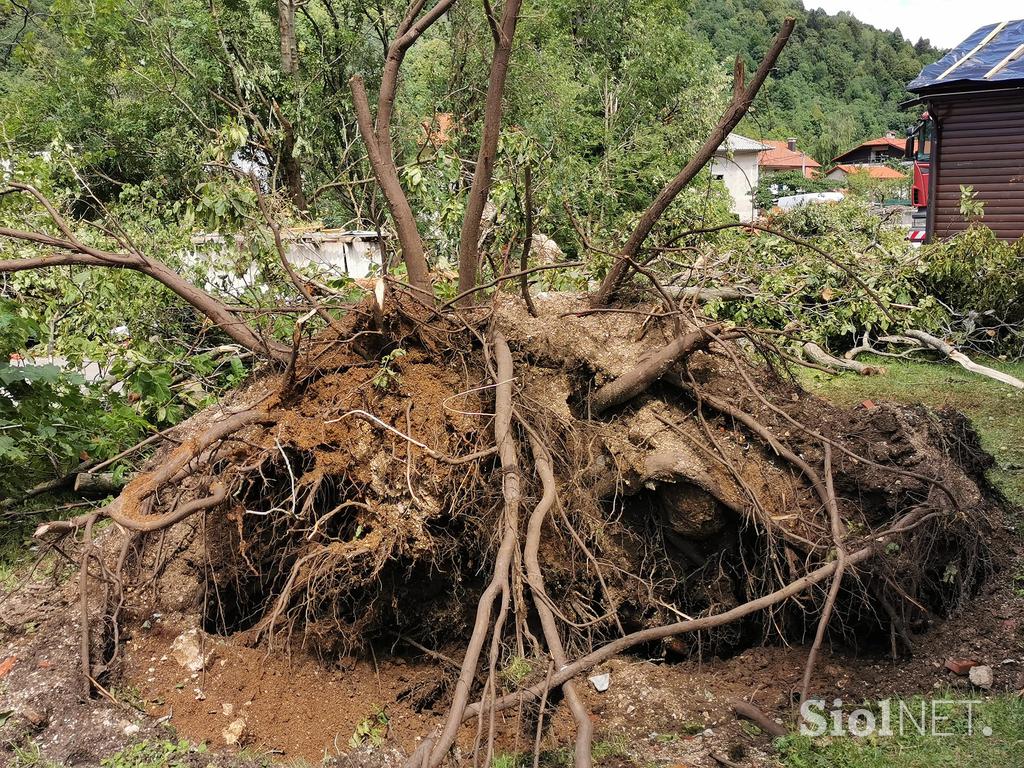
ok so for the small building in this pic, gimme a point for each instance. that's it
(784, 156)
(333, 253)
(874, 151)
(735, 163)
(975, 101)
(878, 172)
(355, 253)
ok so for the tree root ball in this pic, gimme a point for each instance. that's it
(367, 506)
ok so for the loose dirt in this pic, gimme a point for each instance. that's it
(291, 621)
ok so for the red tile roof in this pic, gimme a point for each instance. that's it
(874, 171)
(781, 156)
(884, 141)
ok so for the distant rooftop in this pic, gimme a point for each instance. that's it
(993, 55)
(884, 141)
(874, 171)
(889, 142)
(779, 155)
(734, 142)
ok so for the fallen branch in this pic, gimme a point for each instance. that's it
(96, 483)
(748, 711)
(635, 381)
(70, 251)
(704, 295)
(48, 486)
(963, 360)
(817, 355)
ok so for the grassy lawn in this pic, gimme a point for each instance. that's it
(993, 735)
(996, 409)
(997, 412)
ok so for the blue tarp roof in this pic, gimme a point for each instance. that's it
(992, 55)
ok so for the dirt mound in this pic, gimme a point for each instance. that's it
(370, 494)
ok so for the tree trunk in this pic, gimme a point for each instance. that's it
(289, 44)
(291, 168)
(482, 175)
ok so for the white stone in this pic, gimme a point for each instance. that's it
(601, 682)
(981, 676)
(233, 733)
(186, 651)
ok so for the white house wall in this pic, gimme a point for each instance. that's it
(740, 174)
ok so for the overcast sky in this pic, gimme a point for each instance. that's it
(944, 22)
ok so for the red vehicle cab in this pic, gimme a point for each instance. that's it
(919, 151)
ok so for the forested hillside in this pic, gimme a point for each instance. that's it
(838, 82)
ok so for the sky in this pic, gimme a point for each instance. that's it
(944, 22)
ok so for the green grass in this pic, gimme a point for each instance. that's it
(996, 410)
(28, 755)
(154, 754)
(1004, 748)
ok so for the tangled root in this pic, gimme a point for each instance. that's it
(363, 495)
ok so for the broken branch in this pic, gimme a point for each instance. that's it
(738, 106)
(963, 360)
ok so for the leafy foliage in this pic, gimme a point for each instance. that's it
(796, 288)
(981, 279)
(146, 357)
(371, 730)
(864, 185)
(155, 754)
(839, 81)
(772, 186)
(50, 420)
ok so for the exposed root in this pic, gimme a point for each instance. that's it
(347, 500)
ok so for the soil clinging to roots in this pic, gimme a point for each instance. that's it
(527, 485)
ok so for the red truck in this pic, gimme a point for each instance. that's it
(919, 152)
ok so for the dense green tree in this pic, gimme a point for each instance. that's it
(838, 82)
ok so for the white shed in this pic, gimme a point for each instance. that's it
(736, 164)
(333, 252)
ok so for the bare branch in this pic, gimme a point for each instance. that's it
(376, 135)
(73, 251)
(483, 173)
(737, 108)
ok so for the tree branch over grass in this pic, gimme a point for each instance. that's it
(743, 97)
(70, 250)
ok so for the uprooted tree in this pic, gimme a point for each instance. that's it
(678, 486)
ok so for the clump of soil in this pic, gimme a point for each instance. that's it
(363, 501)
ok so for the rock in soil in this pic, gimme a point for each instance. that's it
(981, 676)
